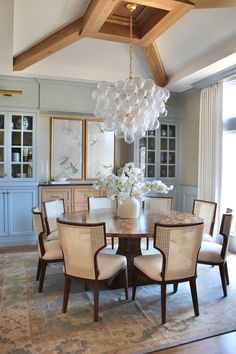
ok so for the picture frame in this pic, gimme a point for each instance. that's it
(67, 148)
(100, 149)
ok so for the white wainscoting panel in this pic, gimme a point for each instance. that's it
(186, 196)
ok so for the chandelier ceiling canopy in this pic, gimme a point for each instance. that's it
(130, 107)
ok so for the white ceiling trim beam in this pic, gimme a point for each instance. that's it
(216, 57)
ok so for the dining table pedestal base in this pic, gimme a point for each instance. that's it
(129, 247)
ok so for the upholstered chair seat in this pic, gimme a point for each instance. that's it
(52, 250)
(207, 238)
(150, 265)
(52, 236)
(210, 251)
(109, 264)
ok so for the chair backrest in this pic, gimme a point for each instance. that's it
(207, 211)
(101, 203)
(80, 244)
(52, 210)
(39, 229)
(179, 246)
(225, 232)
(158, 203)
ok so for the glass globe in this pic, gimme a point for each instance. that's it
(131, 107)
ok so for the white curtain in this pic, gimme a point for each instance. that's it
(210, 144)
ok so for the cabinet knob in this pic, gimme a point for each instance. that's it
(55, 196)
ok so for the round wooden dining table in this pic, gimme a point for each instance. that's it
(131, 231)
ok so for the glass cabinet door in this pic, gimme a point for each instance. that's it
(147, 153)
(22, 150)
(157, 151)
(168, 150)
(2, 145)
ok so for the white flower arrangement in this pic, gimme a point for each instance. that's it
(130, 183)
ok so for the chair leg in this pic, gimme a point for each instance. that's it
(42, 275)
(96, 300)
(226, 273)
(223, 281)
(66, 293)
(112, 243)
(38, 269)
(147, 245)
(134, 284)
(193, 288)
(125, 275)
(175, 287)
(163, 303)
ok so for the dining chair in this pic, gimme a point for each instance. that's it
(158, 204)
(207, 211)
(52, 210)
(215, 254)
(179, 247)
(102, 203)
(81, 245)
(49, 250)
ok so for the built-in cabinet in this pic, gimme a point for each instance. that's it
(75, 196)
(16, 227)
(18, 182)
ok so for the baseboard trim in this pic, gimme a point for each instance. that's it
(18, 249)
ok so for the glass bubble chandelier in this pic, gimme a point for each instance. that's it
(130, 107)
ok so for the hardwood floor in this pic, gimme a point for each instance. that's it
(223, 344)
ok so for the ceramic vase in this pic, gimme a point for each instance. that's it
(129, 208)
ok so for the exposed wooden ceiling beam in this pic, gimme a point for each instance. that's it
(52, 44)
(117, 33)
(207, 4)
(165, 23)
(154, 61)
(96, 15)
(160, 4)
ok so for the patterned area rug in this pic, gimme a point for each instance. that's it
(33, 323)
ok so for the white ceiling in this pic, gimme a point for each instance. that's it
(200, 44)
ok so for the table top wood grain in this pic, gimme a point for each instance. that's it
(143, 226)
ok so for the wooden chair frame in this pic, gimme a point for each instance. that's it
(95, 282)
(42, 263)
(223, 268)
(163, 283)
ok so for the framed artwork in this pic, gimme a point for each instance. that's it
(100, 149)
(67, 142)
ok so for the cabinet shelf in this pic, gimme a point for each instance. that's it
(17, 145)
